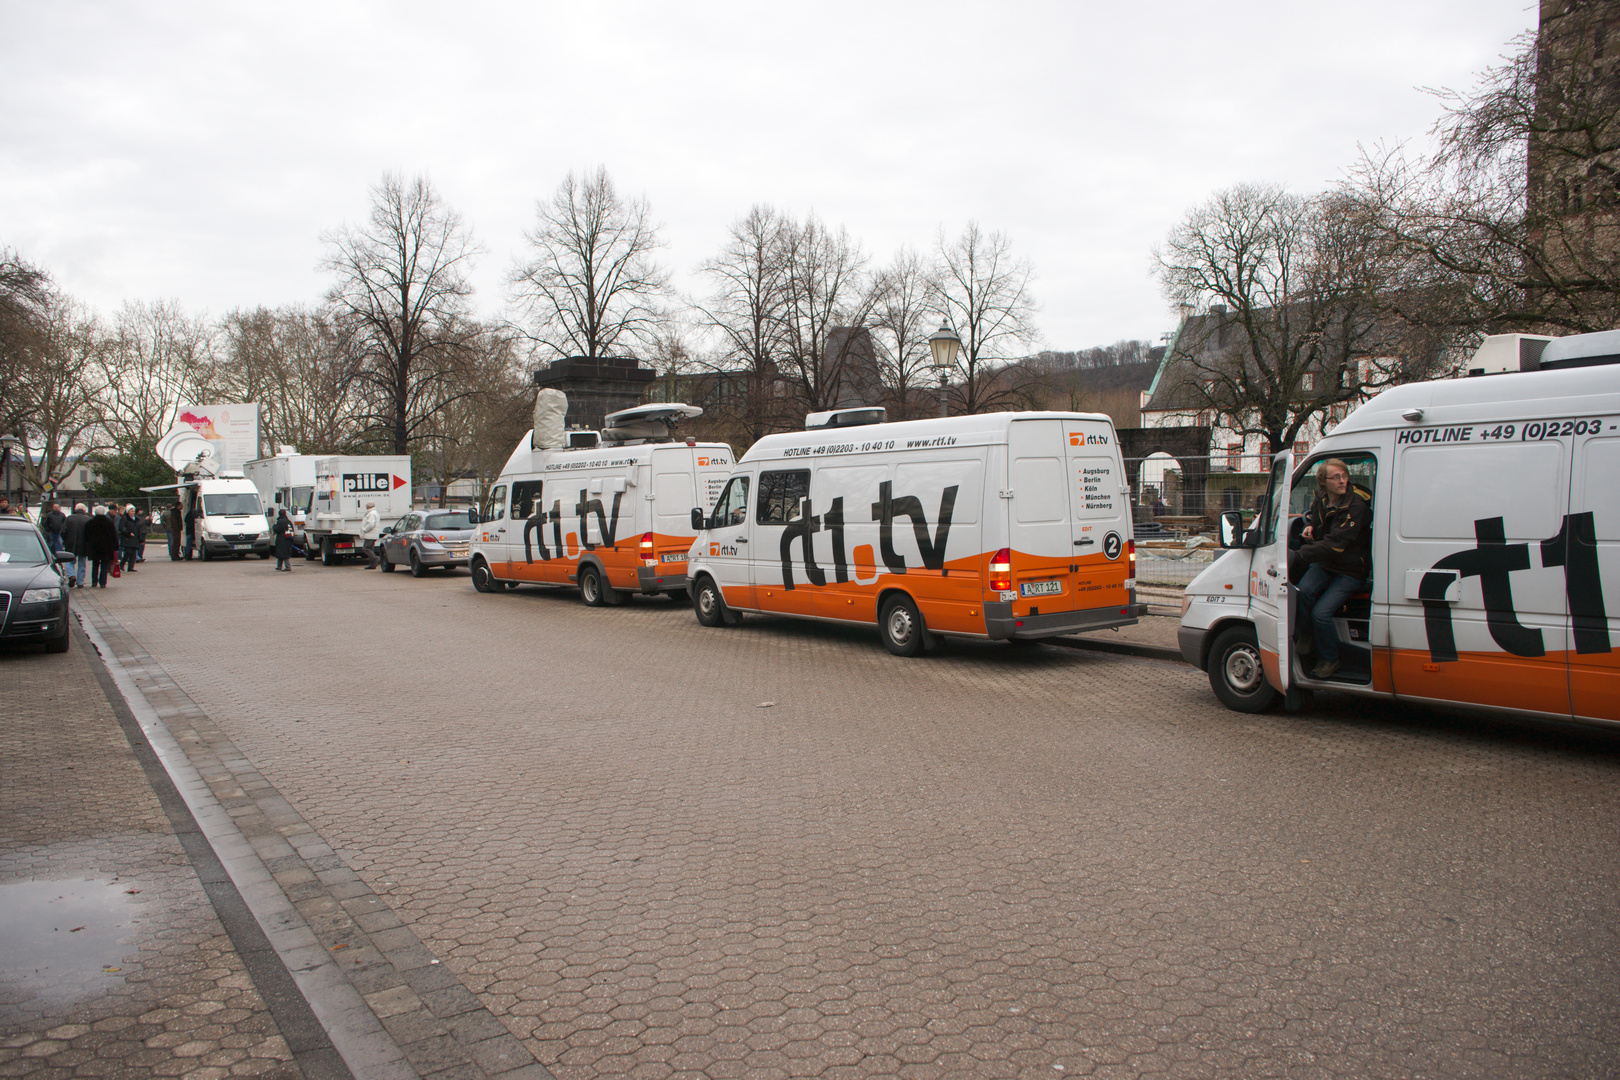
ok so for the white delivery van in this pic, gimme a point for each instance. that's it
(285, 482)
(1002, 526)
(1495, 547)
(612, 519)
(231, 520)
(344, 484)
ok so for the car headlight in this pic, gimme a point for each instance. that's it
(40, 596)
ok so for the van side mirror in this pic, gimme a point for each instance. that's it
(1232, 529)
(697, 520)
(472, 515)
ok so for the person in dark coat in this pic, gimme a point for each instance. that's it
(174, 526)
(192, 517)
(101, 538)
(73, 540)
(53, 521)
(129, 538)
(143, 525)
(283, 528)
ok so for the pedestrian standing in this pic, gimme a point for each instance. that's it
(283, 528)
(173, 525)
(73, 540)
(128, 537)
(53, 521)
(101, 537)
(192, 516)
(143, 525)
(369, 526)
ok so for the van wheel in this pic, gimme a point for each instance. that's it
(1236, 674)
(590, 586)
(207, 556)
(902, 627)
(710, 606)
(265, 555)
(483, 580)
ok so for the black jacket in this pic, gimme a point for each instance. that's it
(101, 537)
(73, 534)
(1341, 535)
(53, 521)
(129, 534)
(283, 528)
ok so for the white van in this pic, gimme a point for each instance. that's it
(232, 521)
(612, 519)
(1495, 547)
(1001, 526)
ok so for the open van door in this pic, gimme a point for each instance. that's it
(1269, 596)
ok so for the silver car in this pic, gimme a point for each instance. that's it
(424, 539)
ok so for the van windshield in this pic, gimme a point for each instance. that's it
(232, 504)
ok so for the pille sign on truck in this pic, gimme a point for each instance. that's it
(609, 514)
(1495, 547)
(344, 484)
(1003, 526)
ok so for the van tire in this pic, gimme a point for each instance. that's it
(901, 625)
(483, 580)
(590, 586)
(1236, 673)
(708, 604)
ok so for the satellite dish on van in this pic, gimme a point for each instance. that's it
(645, 423)
(182, 446)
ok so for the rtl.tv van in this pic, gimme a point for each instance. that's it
(608, 512)
(1003, 526)
(1495, 546)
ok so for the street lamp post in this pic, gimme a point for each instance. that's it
(943, 344)
(7, 444)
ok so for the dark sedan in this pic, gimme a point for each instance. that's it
(423, 539)
(33, 596)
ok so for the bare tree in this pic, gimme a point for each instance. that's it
(983, 293)
(160, 359)
(25, 300)
(591, 284)
(827, 302)
(473, 433)
(1296, 322)
(749, 279)
(64, 393)
(1512, 222)
(290, 361)
(902, 323)
(398, 304)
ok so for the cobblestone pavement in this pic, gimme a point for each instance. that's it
(112, 961)
(654, 849)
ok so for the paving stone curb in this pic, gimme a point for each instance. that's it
(388, 1006)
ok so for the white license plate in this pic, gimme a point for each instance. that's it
(672, 556)
(241, 547)
(1041, 588)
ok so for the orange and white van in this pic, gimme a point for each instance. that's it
(1003, 526)
(611, 518)
(1495, 577)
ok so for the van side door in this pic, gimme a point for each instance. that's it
(1268, 578)
(1478, 613)
(784, 567)
(527, 536)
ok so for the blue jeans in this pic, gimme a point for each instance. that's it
(1321, 593)
(81, 570)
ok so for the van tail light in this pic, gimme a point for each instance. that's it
(647, 548)
(1130, 550)
(1001, 571)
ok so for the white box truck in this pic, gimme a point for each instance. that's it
(285, 482)
(1495, 548)
(344, 484)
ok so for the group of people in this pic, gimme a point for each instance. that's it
(99, 539)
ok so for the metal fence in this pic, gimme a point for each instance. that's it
(1176, 501)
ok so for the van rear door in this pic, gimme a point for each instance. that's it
(1041, 530)
(1099, 520)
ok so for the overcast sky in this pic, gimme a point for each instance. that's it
(197, 151)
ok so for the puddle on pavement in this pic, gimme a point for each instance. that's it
(59, 940)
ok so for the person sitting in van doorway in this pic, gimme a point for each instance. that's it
(368, 536)
(1337, 554)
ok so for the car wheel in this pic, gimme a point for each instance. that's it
(590, 586)
(388, 566)
(709, 605)
(483, 580)
(417, 569)
(902, 627)
(59, 645)
(1236, 673)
